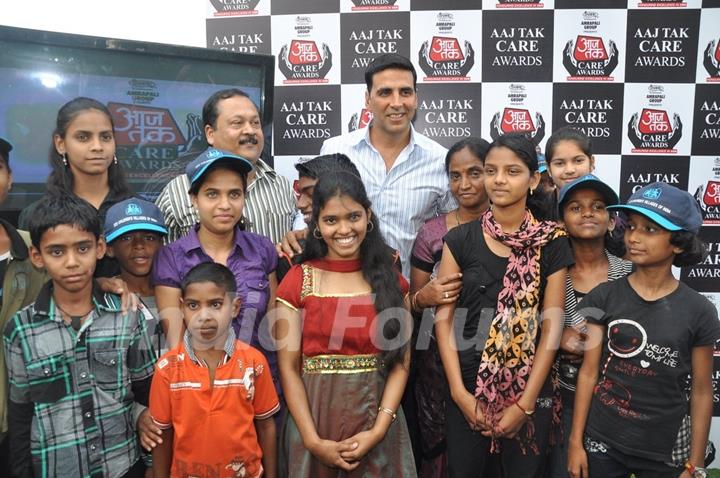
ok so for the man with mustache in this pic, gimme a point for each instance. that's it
(231, 122)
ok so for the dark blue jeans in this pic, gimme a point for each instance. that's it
(611, 463)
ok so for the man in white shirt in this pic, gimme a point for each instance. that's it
(403, 170)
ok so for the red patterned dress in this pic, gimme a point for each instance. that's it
(341, 370)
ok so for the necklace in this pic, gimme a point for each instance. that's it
(457, 216)
(74, 319)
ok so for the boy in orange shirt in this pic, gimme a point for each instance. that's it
(213, 395)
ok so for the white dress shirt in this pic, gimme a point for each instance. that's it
(411, 192)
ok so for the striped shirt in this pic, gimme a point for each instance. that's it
(269, 205)
(213, 423)
(80, 385)
(617, 268)
(411, 192)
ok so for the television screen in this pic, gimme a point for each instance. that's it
(155, 93)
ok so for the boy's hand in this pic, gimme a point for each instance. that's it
(330, 453)
(363, 443)
(115, 285)
(149, 433)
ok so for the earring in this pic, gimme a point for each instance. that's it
(532, 191)
(316, 233)
(114, 159)
(64, 159)
(370, 226)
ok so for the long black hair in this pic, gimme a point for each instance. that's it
(376, 257)
(539, 202)
(61, 180)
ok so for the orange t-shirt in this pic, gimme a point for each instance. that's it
(214, 428)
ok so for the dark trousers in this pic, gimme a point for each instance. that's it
(136, 471)
(613, 464)
(469, 451)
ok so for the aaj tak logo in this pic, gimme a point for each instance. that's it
(226, 8)
(362, 5)
(516, 119)
(361, 120)
(301, 61)
(708, 196)
(711, 61)
(442, 58)
(587, 58)
(650, 130)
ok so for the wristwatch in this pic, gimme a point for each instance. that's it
(696, 471)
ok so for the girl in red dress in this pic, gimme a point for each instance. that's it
(342, 330)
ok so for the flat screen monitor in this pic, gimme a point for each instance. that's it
(155, 93)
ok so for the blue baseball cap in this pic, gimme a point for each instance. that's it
(671, 208)
(199, 166)
(589, 181)
(133, 215)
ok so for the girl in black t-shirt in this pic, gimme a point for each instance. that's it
(498, 357)
(646, 333)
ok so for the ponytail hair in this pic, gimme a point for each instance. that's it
(376, 258)
(61, 180)
(539, 202)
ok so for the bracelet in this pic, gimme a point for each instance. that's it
(392, 414)
(528, 413)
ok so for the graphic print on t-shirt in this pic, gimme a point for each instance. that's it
(628, 339)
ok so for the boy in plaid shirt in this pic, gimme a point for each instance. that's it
(79, 369)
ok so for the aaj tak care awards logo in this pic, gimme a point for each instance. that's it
(589, 57)
(373, 5)
(516, 118)
(302, 61)
(443, 58)
(230, 8)
(711, 60)
(651, 130)
(708, 195)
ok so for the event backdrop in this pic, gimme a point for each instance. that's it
(641, 78)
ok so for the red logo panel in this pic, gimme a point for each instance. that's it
(588, 48)
(517, 121)
(303, 52)
(446, 49)
(654, 121)
(140, 125)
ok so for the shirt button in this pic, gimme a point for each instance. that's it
(93, 447)
(46, 371)
(83, 375)
(88, 414)
(113, 362)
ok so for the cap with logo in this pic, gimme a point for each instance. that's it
(589, 181)
(671, 208)
(199, 166)
(133, 215)
(5, 148)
